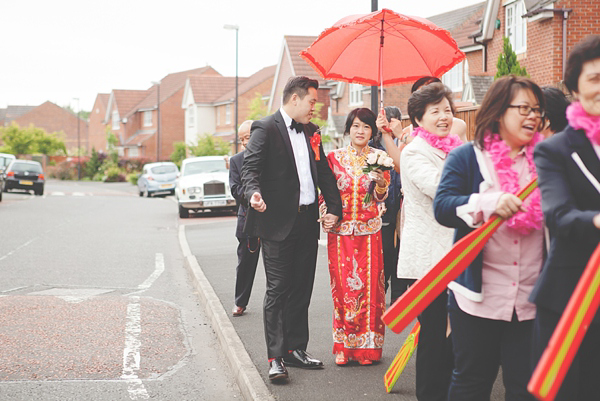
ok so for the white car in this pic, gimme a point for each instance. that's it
(203, 183)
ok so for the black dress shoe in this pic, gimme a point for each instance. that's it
(300, 359)
(277, 370)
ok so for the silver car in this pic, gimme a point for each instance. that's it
(158, 178)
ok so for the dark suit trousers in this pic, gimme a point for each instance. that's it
(581, 381)
(481, 346)
(290, 270)
(390, 260)
(434, 353)
(246, 269)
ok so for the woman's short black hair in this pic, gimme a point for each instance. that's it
(586, 50)
(429, 94)
(556, 108)
(365, 115)
(423, 81)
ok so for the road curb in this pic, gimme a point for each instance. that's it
(246, 375)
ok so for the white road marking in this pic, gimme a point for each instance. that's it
(78, 194)
(159, 268)
(131, 353)
(57, 193)
(72, 295)
(17, 248)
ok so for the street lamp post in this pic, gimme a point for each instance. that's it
(78, 143)
(374, 94)
(157, 119)
(237, 29)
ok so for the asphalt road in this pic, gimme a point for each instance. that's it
(211, 240)
(95, 301)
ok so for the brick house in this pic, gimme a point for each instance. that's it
(133, 116)
(209, 103)
(53, 118)
(97, 124)
(541, 32)
(11, 112)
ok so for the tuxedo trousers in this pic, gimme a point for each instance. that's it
(248, 251)
(290, 271)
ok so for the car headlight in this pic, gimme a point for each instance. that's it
(194, 190)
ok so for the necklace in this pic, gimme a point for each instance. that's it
(579, 119)
(532, 218)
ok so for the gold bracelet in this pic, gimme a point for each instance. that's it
(380, 191)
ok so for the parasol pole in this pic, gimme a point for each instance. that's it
(381, 65)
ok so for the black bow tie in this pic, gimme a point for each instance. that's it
(297, 126)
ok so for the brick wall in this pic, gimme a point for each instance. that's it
(543, 58)
(172, 128)
(97, 129)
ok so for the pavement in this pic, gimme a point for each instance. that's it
(209, 248)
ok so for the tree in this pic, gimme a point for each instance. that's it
(179, 153)
(84, 115)
(258, 108)
(48, 144)
(92, 166)
(209, 146)
(19, 141)
(320, 122)
(508, 64)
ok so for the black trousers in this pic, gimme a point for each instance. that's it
(434, 352)
(581, 381)
(248, 251)
(390, 260)
(481, 346)
(290, 270)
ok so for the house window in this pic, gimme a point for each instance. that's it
(355, 94)
(516, 27)
(228, 114)
(218, 115)
(134, 152)
(453, 79)
(191, 116)
(148, 118)
(115, 119)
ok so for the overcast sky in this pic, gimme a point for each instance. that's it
(64, 49)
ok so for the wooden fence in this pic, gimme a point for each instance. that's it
(467, 114)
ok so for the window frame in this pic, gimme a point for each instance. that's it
(355, 95)
(147, 118)
(515, 27)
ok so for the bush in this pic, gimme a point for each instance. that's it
(133, 178)
(64, 171)
(114, 174)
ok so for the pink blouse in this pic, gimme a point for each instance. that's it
(511, 261)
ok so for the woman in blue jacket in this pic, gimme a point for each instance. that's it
(490, 315)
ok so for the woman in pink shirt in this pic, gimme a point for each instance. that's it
(490, 315)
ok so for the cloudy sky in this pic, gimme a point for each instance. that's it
(64, 49)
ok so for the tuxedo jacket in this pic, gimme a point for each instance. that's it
(237, 191)
(568, 176)
(270, 168)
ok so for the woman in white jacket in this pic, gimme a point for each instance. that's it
(424, 240)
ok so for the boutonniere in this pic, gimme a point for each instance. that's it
(315, 141)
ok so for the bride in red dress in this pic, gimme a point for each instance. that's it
(354, 248)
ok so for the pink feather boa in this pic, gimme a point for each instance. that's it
(532, 219)
(443, 143)
(580, 119)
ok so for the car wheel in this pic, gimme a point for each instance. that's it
(141, 192)
(183, 212)
(39, 192)
(0, 196)
(148, 194)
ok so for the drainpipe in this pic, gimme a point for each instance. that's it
(484, 53)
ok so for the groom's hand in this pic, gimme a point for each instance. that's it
(328, 221)
(257, 202)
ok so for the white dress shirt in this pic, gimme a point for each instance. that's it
(302, 157)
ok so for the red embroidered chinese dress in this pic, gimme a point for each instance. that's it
(356, 260)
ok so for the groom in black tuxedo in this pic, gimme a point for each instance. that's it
(280, 175)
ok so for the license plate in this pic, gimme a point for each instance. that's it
(26, 182)
(215, 203)
(166, 186)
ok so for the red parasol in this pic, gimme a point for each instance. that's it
(382, 48)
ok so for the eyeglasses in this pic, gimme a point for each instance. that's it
(524, 110)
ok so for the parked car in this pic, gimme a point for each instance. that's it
(25, 175)
(158, 178)
(5, 160)
(203, 184)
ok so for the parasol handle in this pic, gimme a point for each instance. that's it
(381, 38)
